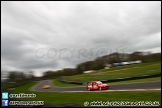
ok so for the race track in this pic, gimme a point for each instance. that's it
(133, 86)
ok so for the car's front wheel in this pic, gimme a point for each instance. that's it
(100, 88)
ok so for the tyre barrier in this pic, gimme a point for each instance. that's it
(114, 80)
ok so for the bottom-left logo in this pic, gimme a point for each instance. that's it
(4, 102)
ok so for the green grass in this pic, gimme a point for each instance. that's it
(119, 72)
(9, 85)
(54, 98)
(6, 85)
(60, 84)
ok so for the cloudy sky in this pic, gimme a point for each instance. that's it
(52, 35)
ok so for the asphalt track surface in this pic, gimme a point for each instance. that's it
(141, 85)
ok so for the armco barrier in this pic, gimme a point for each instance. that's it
(70, 82)
(131, 78)
(114, 80)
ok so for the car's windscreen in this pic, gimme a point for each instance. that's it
(99, 82)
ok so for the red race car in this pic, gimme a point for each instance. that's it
(97, 85)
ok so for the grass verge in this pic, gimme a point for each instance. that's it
(119, 72)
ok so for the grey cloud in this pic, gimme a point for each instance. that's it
(29, 26)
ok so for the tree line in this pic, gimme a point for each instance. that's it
(97, 64)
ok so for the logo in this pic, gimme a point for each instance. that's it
(86, 103)
(4, 102)
(5, 95)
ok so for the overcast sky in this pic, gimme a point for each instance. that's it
(52, 35)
